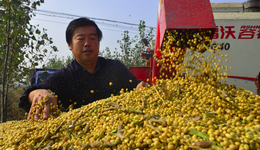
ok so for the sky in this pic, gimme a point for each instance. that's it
(55, 15)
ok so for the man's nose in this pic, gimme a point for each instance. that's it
(86, 44)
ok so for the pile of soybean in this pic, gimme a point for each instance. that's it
(192, 109)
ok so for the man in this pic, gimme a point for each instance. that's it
(86, 79)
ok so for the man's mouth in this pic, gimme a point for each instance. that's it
(88, 51)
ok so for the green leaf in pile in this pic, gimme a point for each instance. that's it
(114, 131)
(251, 146)
(203, 135)
(69, 134)
(200, 134)
(215, 147)
(101, 134)
(41, 146)
(218, 144)
(209, 115)
(137, 123)
(193, 132)
(116, 142)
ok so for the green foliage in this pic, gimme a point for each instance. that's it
(106, 53)
(27, 42)
(58, 63)
(131, 49)
(22, 45)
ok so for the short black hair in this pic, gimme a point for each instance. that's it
(80, 22)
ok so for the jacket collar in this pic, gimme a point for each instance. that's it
(76, 66)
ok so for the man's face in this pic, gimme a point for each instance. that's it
(85, 46)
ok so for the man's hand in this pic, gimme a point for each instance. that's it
(45, 101)
(142, 84)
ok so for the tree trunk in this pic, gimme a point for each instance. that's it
(4, 101)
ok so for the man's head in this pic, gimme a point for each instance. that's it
(83, 37)
(80, 22)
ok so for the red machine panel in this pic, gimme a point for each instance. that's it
(184, 14)
(142, 73)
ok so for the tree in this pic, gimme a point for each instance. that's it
(58, 63)
(131, 49)
(139, 46)
(106, 53)
(22, 44)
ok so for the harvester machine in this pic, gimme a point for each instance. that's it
(181, 24)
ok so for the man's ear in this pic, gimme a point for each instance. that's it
(70, 46)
